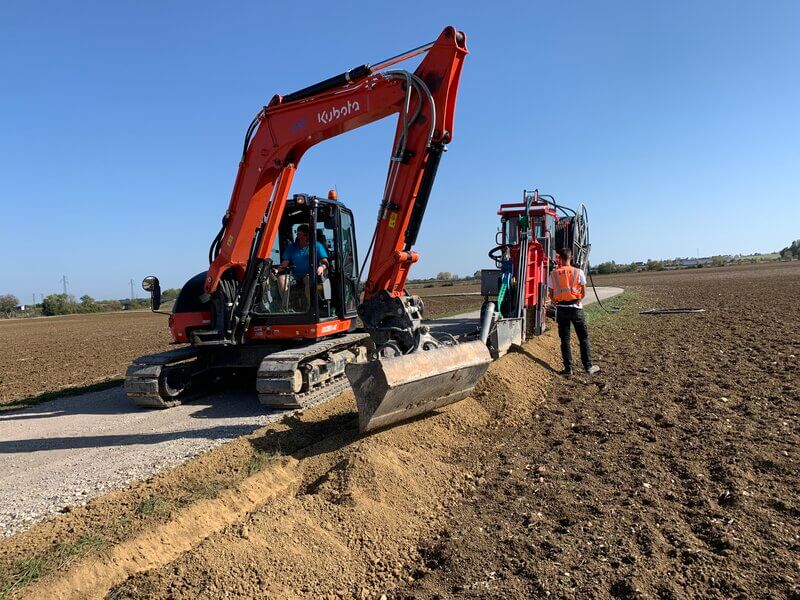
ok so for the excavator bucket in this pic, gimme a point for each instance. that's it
(393, 389)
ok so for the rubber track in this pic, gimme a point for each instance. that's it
(327, 390)
(141, 378)
(277, 372)
(143, 389)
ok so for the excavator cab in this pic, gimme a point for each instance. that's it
(291, 291)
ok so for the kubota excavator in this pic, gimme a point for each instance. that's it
(281, 295)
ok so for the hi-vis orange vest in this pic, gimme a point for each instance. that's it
(566, 284)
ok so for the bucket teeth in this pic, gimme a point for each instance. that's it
(389, 390)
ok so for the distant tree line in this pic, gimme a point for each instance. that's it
(606, 268)
(791, 251)
(447, 276)
(66, 304)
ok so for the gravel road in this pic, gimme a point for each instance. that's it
(64, 452)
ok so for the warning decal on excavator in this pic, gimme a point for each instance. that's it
(229, 241)
(392, 219)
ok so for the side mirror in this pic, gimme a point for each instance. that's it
(150, 284)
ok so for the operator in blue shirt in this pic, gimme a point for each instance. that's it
(297, 255)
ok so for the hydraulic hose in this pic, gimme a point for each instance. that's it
(585, 245)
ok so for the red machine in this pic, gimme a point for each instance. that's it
(515, 292)
(254, 309)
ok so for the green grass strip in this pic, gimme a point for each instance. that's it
(595, 312)
(59, 555)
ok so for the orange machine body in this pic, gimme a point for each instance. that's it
(181, 324)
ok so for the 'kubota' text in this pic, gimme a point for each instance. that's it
(334, 114)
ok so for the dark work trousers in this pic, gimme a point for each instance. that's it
(564, 316)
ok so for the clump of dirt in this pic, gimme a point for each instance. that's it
(362, 505)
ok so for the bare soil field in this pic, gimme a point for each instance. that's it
(456, 287)
(448, 300)
(675, 473)
(672, 474)
(52, 353)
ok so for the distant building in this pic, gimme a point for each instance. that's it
(21, 308)
(696, 262)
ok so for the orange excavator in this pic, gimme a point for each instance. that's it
(282, 298)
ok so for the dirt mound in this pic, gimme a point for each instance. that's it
(363, 505)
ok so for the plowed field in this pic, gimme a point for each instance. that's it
(53, 353)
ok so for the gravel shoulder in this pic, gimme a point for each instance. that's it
(62, 453)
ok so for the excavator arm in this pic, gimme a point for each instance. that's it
(395, 385)
(284, 130)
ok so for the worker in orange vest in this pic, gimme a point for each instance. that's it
(567, 288)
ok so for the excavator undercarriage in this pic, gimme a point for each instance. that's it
(286, 377)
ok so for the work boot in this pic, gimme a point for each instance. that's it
(566, 373)
(592, 370)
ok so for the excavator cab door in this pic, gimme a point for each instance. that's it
(348, 264)
(337, 289)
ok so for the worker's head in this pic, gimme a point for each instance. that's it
(565, 254)
(302, 235)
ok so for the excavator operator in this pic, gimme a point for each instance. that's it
(297, 256)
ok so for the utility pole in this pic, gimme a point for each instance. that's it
(133, 294)
(65, 281)
(34, 298)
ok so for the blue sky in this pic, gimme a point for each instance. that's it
(121, 125)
